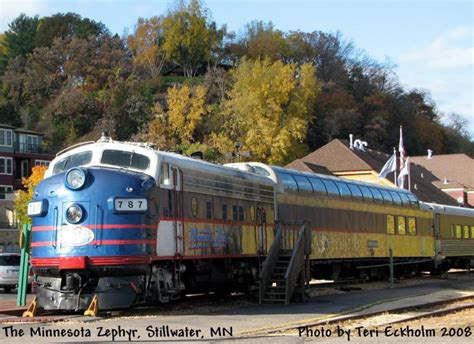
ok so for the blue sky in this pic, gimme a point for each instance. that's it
(431, 42)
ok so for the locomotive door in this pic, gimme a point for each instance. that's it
(261, 230)
(178, 213)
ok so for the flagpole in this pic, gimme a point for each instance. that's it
(409, 174)
(395, 178)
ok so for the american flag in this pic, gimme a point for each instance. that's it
(403, 158)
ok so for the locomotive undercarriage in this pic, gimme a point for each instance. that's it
(123, 287)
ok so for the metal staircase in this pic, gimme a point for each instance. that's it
(285, 271)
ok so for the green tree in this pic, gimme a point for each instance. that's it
(188, 37)
(66, 26)
(268, 110)
(20, 38)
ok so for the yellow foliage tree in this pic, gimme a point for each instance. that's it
(23, 197)
(187, 106)
(147, 44)
(267, 109)
(177, 127)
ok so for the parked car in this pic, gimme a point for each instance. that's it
(9, 271)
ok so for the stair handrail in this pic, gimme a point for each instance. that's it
(297, 261)
(270, 261)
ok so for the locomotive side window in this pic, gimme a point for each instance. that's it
(125, 159)
(241, 214)
(318, 185)
(224, 212)
(412, 225)
(472, 232)
(209, 210)
(390, 224)
(238, 213)
(452, 231)
(165, 174)
(401, 225)
(79, 159)
(303, 184)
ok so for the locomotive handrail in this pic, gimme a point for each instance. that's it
(297, 262)
(270, 261)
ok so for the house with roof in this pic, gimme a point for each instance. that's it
(361, 163)
(455, 174)
(20, 150)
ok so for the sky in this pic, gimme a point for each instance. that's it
(430, 43)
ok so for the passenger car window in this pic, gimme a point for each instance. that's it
(377, 195)
(303, 183)
(288, 182)
(125, 159)
(75, 160)
(318, 185)
(366, 193)
(386, 196)
(331, 187)
(355, 191)
(343, 190)
(396, 197)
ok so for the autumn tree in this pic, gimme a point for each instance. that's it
(268, 110)
(189, 38)
(262, 40)
(177, 127)
(24, 197)
(146, 44)
(66, 26)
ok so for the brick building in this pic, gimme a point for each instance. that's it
(20, 150)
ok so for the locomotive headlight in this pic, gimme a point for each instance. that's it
(74, 213)
(75, 178)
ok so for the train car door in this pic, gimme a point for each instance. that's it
(178, 215)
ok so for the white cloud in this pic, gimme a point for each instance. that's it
(452, 49)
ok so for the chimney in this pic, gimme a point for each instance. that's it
(430, 154)
(445, 180)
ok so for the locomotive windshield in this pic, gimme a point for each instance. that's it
(125, 159)
(79, 159)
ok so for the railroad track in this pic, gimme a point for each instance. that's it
(380, 323)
